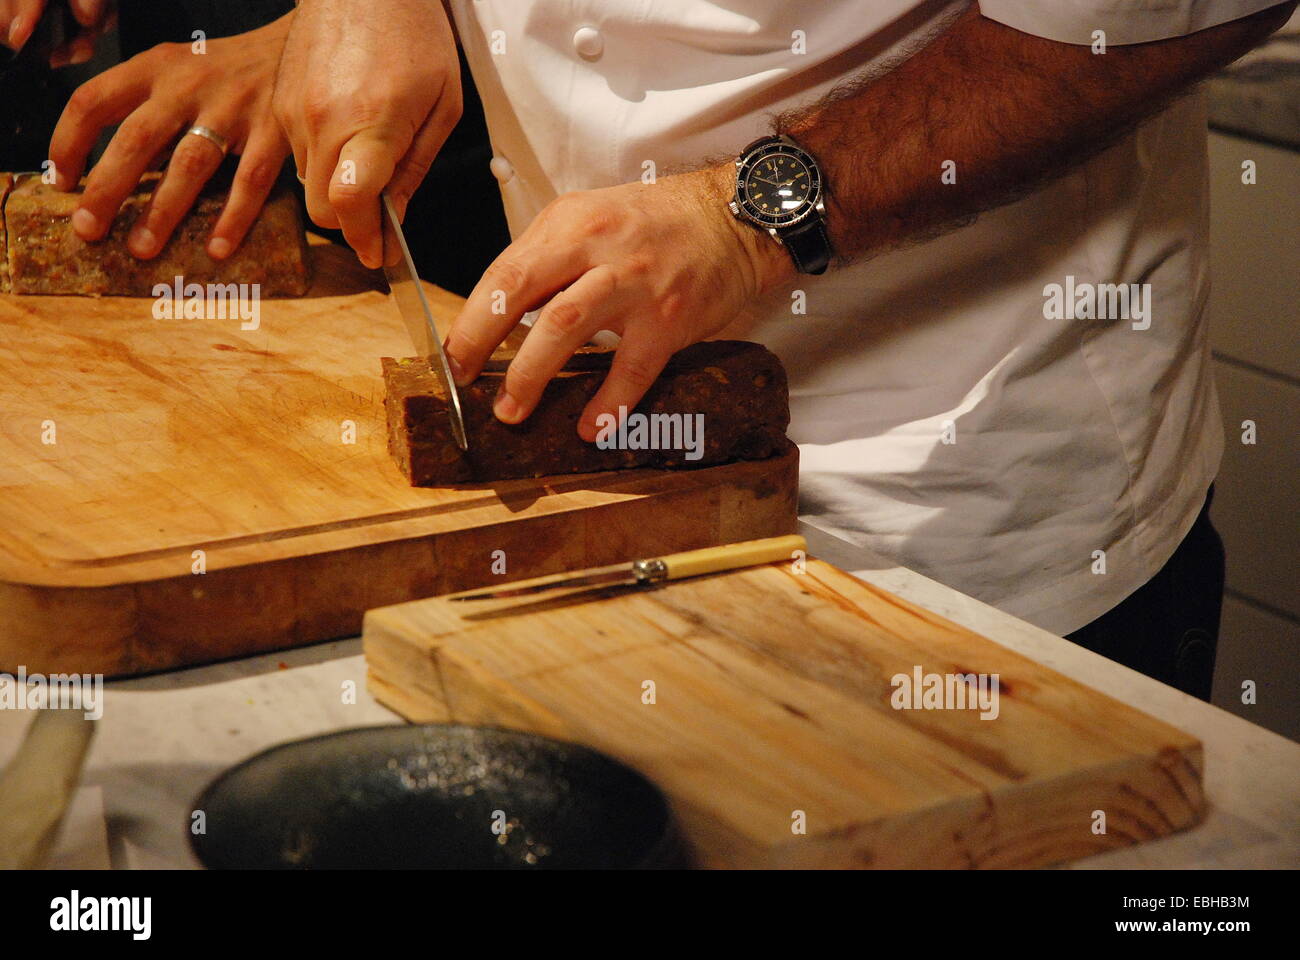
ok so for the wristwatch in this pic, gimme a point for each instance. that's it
(779, 189)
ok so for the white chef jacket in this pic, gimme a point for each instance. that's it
(943, 420)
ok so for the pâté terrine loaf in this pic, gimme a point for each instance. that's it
(43, 255)
(734, 392)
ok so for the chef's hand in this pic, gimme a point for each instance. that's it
(18, 19)
(156, 96)
(665, 265)
(367, 95)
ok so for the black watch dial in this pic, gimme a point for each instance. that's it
(778, 185)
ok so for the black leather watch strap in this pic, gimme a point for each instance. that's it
(809, 246)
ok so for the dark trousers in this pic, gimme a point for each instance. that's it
(1169, 628)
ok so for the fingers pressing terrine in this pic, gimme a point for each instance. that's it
(44, 255)
(717, 401)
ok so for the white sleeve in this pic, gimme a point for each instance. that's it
(1124, 21)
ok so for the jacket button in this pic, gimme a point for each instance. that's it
(502, 169)
(589, 43)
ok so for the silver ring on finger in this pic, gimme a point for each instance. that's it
(207, 133)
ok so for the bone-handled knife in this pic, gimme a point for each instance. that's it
(408, 294)
(37, 787)
(673, 566)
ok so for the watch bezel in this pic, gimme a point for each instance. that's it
(745, 166)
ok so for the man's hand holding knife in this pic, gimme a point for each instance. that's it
(367, 100)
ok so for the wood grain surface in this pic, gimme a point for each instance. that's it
(772, 696)
(185, 435)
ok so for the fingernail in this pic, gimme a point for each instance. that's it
(587, 429)
(15, 28)
(86, 224)
(142, 242)
(218, 248)
(506, 408)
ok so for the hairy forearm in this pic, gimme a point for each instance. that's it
(1010, 110)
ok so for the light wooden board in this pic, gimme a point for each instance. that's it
(177, 436)
(772, 695)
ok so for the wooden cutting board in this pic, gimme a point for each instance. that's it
(192, 444)
(772, 702)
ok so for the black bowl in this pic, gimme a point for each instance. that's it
(434, 797)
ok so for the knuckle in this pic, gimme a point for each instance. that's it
(84, 99)
(165, 54)
(565, 204)
(638, 267)
(638, 371)
(508, 275)
(563, 316)
(137, 136)
(601, 220)
(316, 111)
(523, 381)
(604, 284)
(280, 107)
(189, 163)
(671, 306)
(467, 346)
(257, 175)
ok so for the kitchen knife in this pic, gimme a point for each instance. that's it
(673, 566)
(408, 294)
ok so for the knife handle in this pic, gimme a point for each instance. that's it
(731, 556)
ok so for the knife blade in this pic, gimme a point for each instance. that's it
(673, 566)
(408, 294)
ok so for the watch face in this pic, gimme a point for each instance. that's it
(778, 185)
